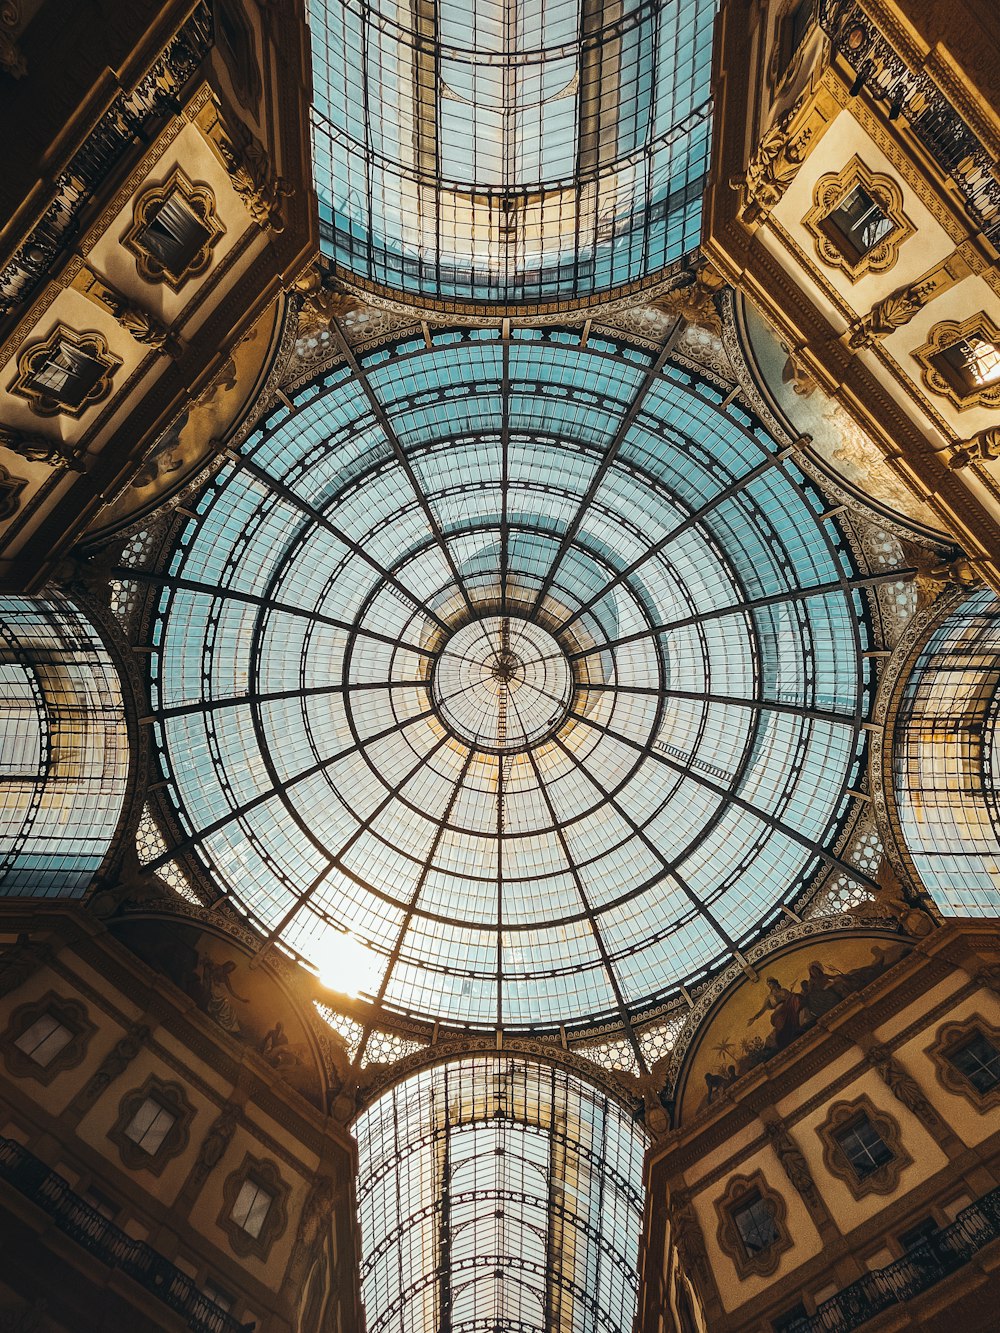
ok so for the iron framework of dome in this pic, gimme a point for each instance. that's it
(503, 151)
(528, 665)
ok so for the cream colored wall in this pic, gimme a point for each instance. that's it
(844, 139)
(806, 1241)
(971, 1124)
(188, 1234)
(57, 1095)
(847, 1211)
(189, 151)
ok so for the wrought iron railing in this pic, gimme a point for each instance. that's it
(126, 122)
(924, 1265)
(911, 94)
(110, 1244)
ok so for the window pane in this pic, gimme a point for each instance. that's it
(755, 1222)
(864, 1147)
(979, 1060)
(859, 223)
(149, 1126)
(44, 1040)
(251, 1207)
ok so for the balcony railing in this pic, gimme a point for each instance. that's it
(914, 96)
(919, 1269)
(126, 122)
(110, 1244)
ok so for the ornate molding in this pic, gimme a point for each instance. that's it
(830, 192)
(46, 402)
(740, 1191)
(172, 1097)
(70, 1013)
(261, 1171)
(883, 1180)
(948, 1038)
(201, 201)
(940, 380)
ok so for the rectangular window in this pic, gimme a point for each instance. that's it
(251, 1207)
(794, 27)
(217, 1296)
(43, 1041)
(150, 1126)
(857, 224)
(67, 374)
(173, 234)
(754, 1219)
(971, 363)
(864, 1147)
(979, 1060)
(100, 1203)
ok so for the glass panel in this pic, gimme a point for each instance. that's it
(864, 1147)
(519, 150)
(946, 765)
(531, 712)
(44, 1039)
(150, 1125)
(979, 1060)
(251, 1207)
(498, 1194)
(858, 223)
(755, 1222)
(65, 745)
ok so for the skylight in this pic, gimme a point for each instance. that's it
(523, 673)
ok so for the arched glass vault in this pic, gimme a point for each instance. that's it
(509, 151)
(64, 751)
(946, 759)
(499, 1196)
(527, 669)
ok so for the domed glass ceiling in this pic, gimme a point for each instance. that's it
(506, 151)
(528, 664)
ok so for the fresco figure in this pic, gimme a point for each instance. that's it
(217, 980)
(784, 1007)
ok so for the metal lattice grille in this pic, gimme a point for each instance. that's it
(947, 760)
(64, 745)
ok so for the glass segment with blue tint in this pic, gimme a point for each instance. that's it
(946, 762)
(494, 1193)
(524, 665)
(64, 750)
(509, 150)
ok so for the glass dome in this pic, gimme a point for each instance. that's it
(523, 674)
(509, 152)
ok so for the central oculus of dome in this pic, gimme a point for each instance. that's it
(533, 668)
(502, 684)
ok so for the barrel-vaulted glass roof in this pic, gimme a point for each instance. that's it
(509, 150)
(499, 1195)
(531, 667)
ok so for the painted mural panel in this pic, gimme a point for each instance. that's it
(756, 1020)
(246, 1002)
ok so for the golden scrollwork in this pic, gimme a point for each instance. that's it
(740, 1192)
(981, 448)
(773, 166)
